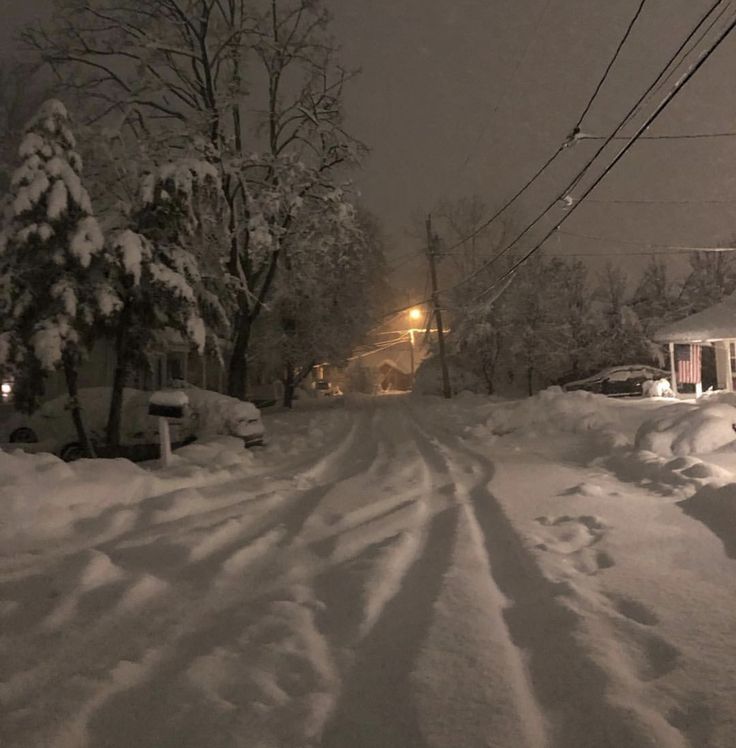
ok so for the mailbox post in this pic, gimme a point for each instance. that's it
(167, 404)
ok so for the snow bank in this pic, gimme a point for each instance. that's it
(701, 429)
(554, 410)
(715, 507)
(43, 498)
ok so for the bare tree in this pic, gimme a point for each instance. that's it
(22, 92)
(173, 73)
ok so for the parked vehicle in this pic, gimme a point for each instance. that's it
(50, 428)
(323, 388)
(618, 381)
(219, 414)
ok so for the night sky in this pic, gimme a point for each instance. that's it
(472, 96)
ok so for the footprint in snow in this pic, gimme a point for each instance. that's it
(634, 610)
(653, 655)
(573, 538)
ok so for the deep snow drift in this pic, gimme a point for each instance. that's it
(400, 571)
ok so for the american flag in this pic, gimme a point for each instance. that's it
(688, 363)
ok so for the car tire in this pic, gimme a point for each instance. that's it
(23, 435)
(72, 452)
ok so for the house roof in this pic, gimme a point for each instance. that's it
(717, 322)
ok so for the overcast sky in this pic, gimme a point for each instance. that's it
(471, 96)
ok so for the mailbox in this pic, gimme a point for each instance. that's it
(166, 411)
(167, 404)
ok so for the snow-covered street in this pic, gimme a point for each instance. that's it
(389, 573)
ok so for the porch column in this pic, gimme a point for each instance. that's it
(729, 372)
(673, 372)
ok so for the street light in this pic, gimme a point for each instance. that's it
(415, 314)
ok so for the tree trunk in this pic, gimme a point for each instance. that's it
(289, 386)
(115, 414)
(530, 379)
(237, 375)
(120, 379)
(490, 388)
(71, 375)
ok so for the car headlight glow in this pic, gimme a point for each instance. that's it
(6, 388)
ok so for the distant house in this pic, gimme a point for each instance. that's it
(692, 339)
(393, 356)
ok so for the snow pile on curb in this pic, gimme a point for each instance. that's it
(554, 410)
(702, 429)
(42, 497)
(715, 507)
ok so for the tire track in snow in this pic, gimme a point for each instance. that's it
(384, 631)
(476, 704)
(376, 707)
(567, 683)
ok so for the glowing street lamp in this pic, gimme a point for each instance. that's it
(415, 314)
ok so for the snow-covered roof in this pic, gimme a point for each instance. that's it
(717, 322)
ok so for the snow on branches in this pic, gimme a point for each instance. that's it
(53, 268)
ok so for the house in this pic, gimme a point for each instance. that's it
(392, 356)
(173, 359)
(709, 335)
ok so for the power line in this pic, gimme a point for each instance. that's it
(661, 79)
(646, 244)
(635, 107)
(660, 108)
(626, 35)
(592, 159)
(566, 144)
(732, 201)
(661, 253)
(673, 136)
(689, 51)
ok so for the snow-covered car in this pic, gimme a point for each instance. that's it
(50, 428)
(618, 381)
(221, 415)
(323, 388)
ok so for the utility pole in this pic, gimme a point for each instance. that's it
(431, 245)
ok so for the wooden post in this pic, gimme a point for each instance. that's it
(165, 439)
(673, 371)
(729, 371)
(411, 354)
(446, 391)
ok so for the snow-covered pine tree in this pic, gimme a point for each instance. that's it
(162, 287)
(55, 274)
